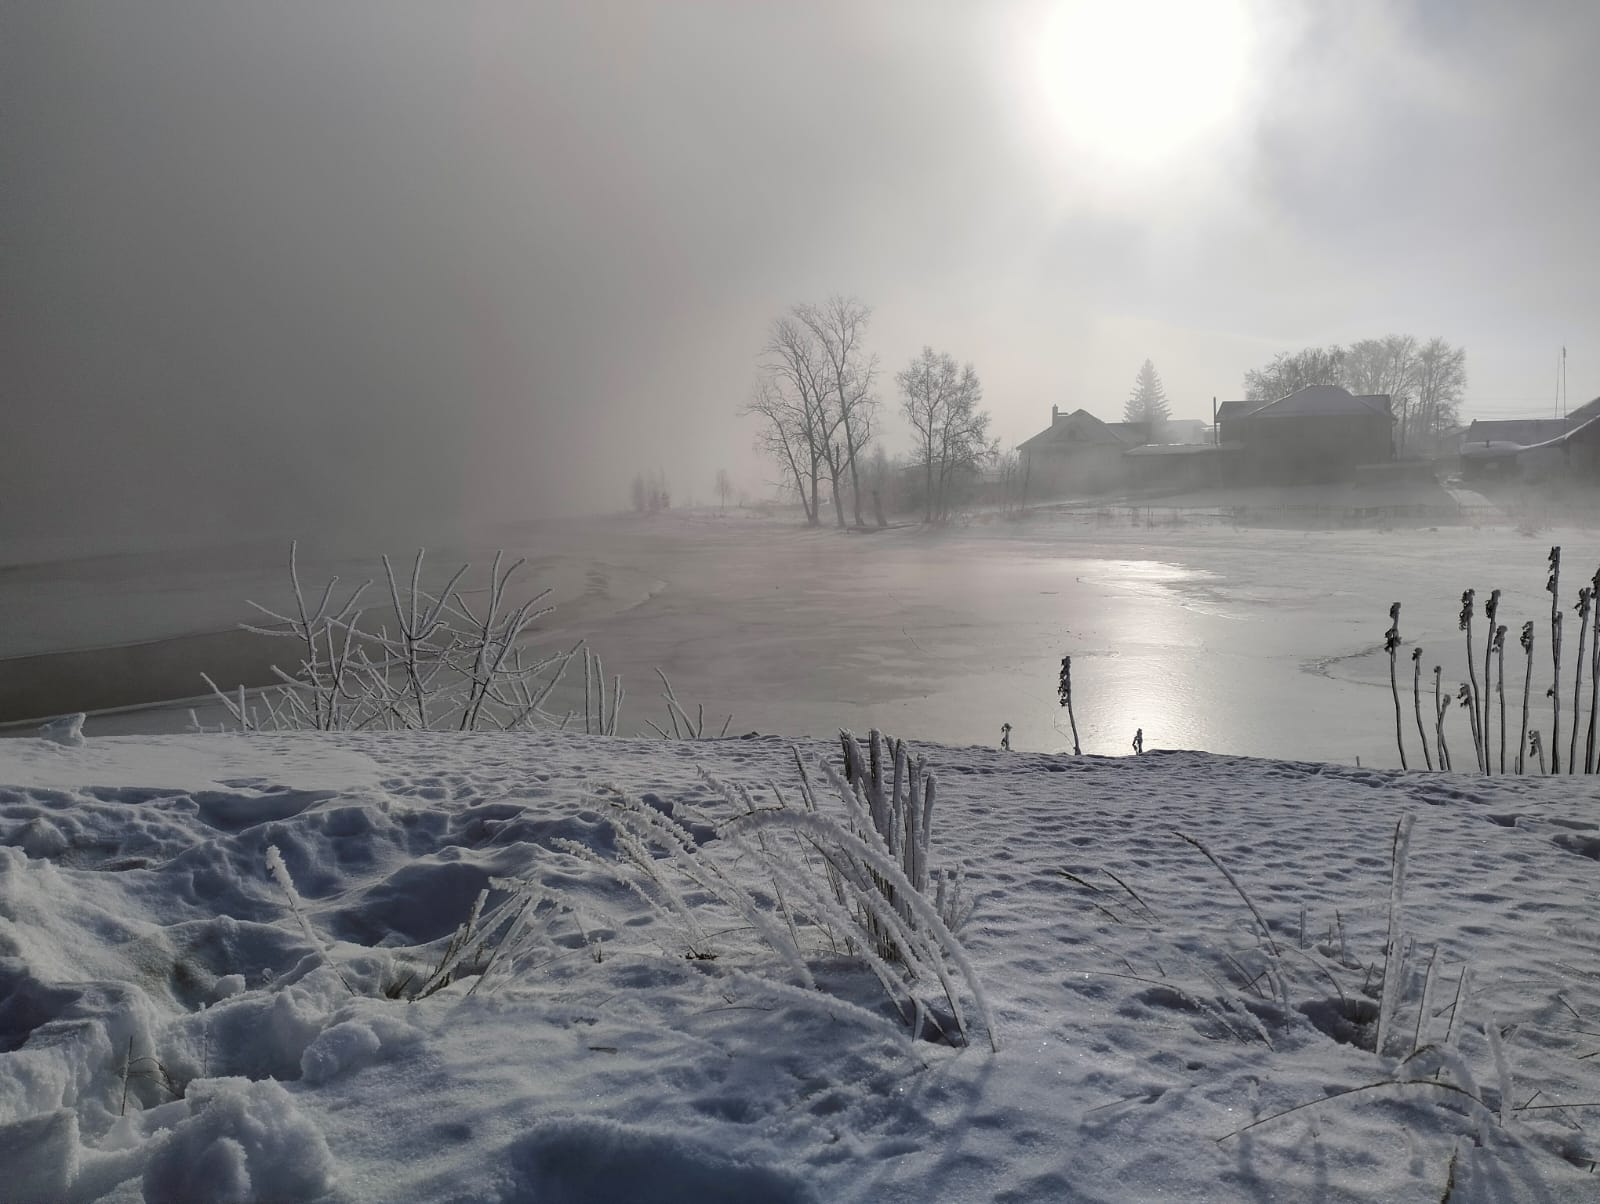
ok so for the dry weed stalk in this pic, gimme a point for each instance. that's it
(1553, 584)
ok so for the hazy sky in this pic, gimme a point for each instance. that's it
(271, 262)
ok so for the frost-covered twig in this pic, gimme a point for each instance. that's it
(280, 873)
(1389, 995)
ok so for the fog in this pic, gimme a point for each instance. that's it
(269, 267)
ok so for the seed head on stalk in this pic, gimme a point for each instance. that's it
(1391, 643)
(1500, 659)
(1526, 640)
(1469, 701)
(1064, 692)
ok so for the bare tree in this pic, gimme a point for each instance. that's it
(1424, 381)
(1293, 370)
(1387, 366)
(848, 372)
(783, 435)
(1441, 380)
(798, 427)
(940, 400)
(724, 486)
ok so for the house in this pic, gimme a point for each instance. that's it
(1181, 466)
(1078, 453)
(1535, 447)
(1316, 434)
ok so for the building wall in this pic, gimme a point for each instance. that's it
(1083, 469)
(1312, 447)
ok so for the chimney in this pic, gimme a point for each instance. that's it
(1055, 415)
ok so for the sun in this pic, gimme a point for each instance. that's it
(1139, 83)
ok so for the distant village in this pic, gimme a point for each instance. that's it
(1317, 436)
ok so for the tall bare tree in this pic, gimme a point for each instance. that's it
(940, 400)
(1441, 380)
(1290, 371)
(1424, 381)
(1389, 366)
(839, 327)
(797, 426)
(784, 436)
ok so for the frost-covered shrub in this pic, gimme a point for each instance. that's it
(809, 882)
(435, 662)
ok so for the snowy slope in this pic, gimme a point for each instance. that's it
(140, 929)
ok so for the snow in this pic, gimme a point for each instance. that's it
(141, 931)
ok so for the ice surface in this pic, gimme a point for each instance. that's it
(144, 949)
(1243, 641)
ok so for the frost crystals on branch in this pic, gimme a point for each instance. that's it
(446, 662)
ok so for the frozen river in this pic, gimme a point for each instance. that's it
(1254, 642)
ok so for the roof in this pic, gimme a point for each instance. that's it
(1235, 409)
(1523, 432)
(1585, 413)
(1078, 429)
(1185, 449)
(1131, 433)
(1325, 401)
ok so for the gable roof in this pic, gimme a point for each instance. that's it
(1324, 401)
(1311, 401)
(1078, 429)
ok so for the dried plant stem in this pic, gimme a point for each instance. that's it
(1500, 687)
(1554, 586)
(1584, 595)
(1441, 703)
(1589, 746)
(1416, 702)
(1391, 644)
(1526, 640)
(1465, 624)
(1490, 609)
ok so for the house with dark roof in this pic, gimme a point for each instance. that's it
(1534, 447)
(1316, 434)
(1079, 453)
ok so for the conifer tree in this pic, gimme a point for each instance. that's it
(1148, 402)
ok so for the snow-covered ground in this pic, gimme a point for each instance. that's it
(1144, 1018)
